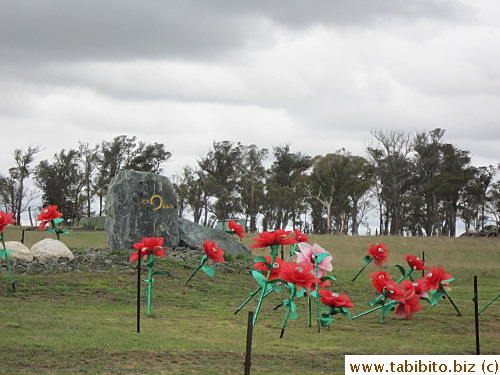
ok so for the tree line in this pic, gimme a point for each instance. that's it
(414, 182)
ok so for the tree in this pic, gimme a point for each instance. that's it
(338, 181)
(393, 169)
(61, 183)
(286, 188)
(223, 166)
(88, 159)
(251, 185)
(191, 193)
(14, 194)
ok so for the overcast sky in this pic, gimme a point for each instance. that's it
(319, 75)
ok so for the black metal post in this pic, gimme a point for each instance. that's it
(139, 292)
(22, 237)
(476, 315)
(423, 258)
(248, 355)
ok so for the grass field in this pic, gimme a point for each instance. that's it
(85, 323)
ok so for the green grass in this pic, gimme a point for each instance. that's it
(85, 323)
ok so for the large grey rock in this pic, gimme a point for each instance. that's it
(140, 204)
(50, 250)
(193, 235)
(18, 252)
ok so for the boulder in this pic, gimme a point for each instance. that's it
(140, 204)
(49, 250)
(18, 252)
(193, 235)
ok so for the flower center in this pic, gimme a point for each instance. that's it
(299, 269)
(214, 249)
(381, 277)
(415, 284)
(276, 265)
(429, 274)
(45, 211)
(335, 294)
(380, 250)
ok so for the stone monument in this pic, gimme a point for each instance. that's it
(140, 204)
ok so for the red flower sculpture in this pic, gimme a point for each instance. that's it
(275, 268)
(149, 246)
(237, 229)
(383, 284)
(419, 286)
(300, 237)
(300, 274)
(5, 219)
(46, 215)
(334, 299)
(278, 237)
(213, 252)
(409, 304)
(435, 277)
(378, 253)
(415, 263)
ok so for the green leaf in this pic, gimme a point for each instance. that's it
(326, 320)
(324, 278)
(3, 253)
(436, 297)
(301, 292)
(208, 270)
(387, 308)
(315, 294)
(321, 256)
(147, 281)
(449, 280)
(367, 259)
(401, 268)
(161, 273)
(51, 230)
(294, 314)
(377, 300)
(260, 278)
(276, 287)
(65, 231)
(58, 220)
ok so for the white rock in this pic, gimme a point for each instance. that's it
(49, 249)
(18, 252)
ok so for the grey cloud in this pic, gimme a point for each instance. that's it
(62, 30)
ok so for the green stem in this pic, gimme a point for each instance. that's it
(488, 304)
(449, 297)
(203, 260)
(292, 251)
(309, 312)
(55, 229)
(360, 271)
(289, 308)
(408, 273)
(367, 312)
(150, 282)
(7, 261)
(274, 255)
(248, 300)
(316, 298)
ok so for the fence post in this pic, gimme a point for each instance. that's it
(476, 315)
(22, 237)
(139, 291)
(248, 355)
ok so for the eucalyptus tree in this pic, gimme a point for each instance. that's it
(13, 192)
(252, 183)
(391, 157)
(286, 191)
(88, 160)
(223, 168)
(191, 192)
(62, 182)
(339, 181)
